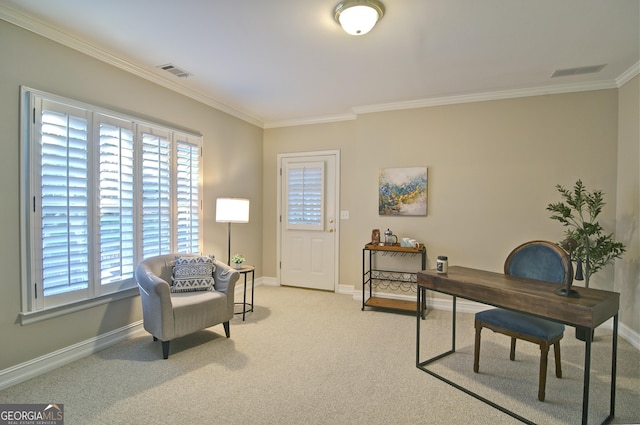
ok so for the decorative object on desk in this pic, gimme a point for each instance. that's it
(578, 211)
(568, 245)
(231, 210)
(389, 238)
(237, 260)
(442, 264)
(402, 191)
(375, 236)
(595, 249)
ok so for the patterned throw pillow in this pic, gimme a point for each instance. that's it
(193, 274)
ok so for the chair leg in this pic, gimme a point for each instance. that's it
(544, 355)
(227, 331)
(165, 349)
(556, 353)
(476, 348)
(512, 353)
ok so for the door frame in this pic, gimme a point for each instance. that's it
(336, 240)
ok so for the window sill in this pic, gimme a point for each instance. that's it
(27, 318)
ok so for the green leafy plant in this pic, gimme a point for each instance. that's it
(578, 211)
(237, 259)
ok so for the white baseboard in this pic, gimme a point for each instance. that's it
(35, 367)
(345, 289)
(269, 281)
(628, 334)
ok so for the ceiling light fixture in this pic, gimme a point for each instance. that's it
(358, 17)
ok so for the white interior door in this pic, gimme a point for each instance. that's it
(308, 221)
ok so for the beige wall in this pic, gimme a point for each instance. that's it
(492, 167)
(627, 270)
(28, 59)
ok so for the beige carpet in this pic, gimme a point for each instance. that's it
(308, 357)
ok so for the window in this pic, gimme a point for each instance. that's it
(102, 191)
(305, 195)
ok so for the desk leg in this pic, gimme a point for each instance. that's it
(453, 326)
(614, 357)
(587, 373)
(420, 296)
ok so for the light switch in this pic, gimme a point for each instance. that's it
(344, 215)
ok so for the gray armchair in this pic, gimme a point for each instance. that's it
(168, 315)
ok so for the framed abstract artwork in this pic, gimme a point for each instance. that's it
(402, 191)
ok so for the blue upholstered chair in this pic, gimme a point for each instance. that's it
(539, 260)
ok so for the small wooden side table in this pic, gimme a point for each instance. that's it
(245, 270)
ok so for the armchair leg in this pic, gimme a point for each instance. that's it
(165, 349)
(227, 331)
(512, 353)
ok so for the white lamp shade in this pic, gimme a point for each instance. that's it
(358, 20)
(232, 210)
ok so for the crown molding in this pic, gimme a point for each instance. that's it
(628, 74)
(55, 34)
(312, 120)
(487, 96)
(453, 100)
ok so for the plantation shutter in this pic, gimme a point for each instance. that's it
(100, 191)
(64, 199)
(156, 192)
(305, 196)
(116, 200)
(188, 196)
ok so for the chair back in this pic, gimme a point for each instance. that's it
(540, 260)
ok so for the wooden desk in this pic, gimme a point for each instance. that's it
(593, 308)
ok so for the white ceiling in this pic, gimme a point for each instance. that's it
(282, 62)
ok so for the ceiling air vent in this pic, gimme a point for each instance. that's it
(175, 70)
(577, 71)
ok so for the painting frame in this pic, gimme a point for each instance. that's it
(403, 191)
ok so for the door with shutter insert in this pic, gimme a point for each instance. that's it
(308, 227)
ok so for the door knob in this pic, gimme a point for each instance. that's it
(330, 230)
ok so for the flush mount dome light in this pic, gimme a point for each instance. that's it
(358, 17)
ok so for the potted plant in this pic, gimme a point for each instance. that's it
(578, 212)
(237, 260)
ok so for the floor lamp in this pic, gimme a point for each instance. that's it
(232, 210)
